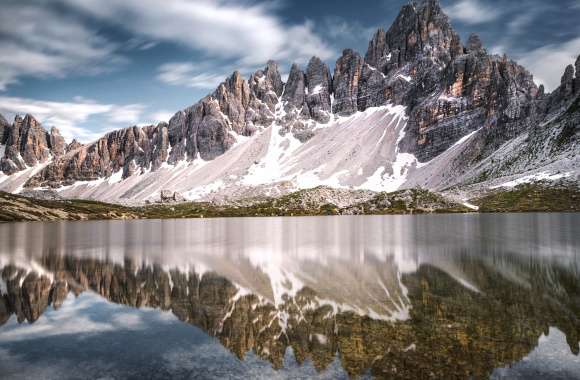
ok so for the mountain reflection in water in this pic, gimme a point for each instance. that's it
(462, 296)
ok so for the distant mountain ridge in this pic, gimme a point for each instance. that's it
(422, 108)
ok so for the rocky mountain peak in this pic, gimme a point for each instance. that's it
(57, 143)
(266, 86)
(319, 83)
(420, 30)
(233, 97)
(273, 77)
(4, 125)
(295, 93)
(577, 81)
(74, 145)
(27, 144)
(345, 84)
(567, 82)
(474, 44)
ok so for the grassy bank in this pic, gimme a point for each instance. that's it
(531, 198)
(300, 203)
(312, 202)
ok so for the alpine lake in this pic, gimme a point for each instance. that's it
(466, 296)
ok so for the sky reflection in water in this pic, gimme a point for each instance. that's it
(397, 296)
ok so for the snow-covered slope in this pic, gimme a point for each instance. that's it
(359, 151)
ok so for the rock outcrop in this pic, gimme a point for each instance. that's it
(345, 83)
(4, 125)
(28, 144)
(319, 83)
(168, 196)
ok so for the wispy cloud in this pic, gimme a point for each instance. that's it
(246, 31)
(189, 75)
(343, 33)
(473, 12)
(136, 43)
(67, 116)
(125, 114)
(37, 41)
(161, 116)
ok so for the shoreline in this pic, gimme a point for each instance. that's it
(312, 202)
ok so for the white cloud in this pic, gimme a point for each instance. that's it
(66, 116)
(158, 117)
(247, 32)
(71, 319)
(548, 62)
(472, 12)
(38, 41)
(341, 31)
(189, 75)
(127, 114)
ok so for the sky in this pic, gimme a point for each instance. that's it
(91, 66)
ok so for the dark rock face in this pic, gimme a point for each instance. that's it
(419, 30)
(28, 144)
(452, 90)
(74, 145)
(295, 91)
(345, 85)
(567, 83)
(57, 143)
(4, 125)
(474, 44)
(479, 91)
(562, 109)
(319, 84)
(577, 81)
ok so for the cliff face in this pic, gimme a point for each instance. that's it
(451, 331)
(26, 143)
(448, 89)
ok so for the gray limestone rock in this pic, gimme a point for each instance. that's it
(347, 74)
(319, 84)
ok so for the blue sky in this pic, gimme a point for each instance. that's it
(90, 66)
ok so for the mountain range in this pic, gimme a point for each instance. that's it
(419, 109)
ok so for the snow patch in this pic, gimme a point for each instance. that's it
(116, 177)
(404, 77)
(202, 191)
(3, 287)
(321, 338)
(464, 139)
(411, 347)
(316, 90)
(469, 205)
(449, 99)
(542, 176)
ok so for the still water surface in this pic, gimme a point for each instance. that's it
(410, 297)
